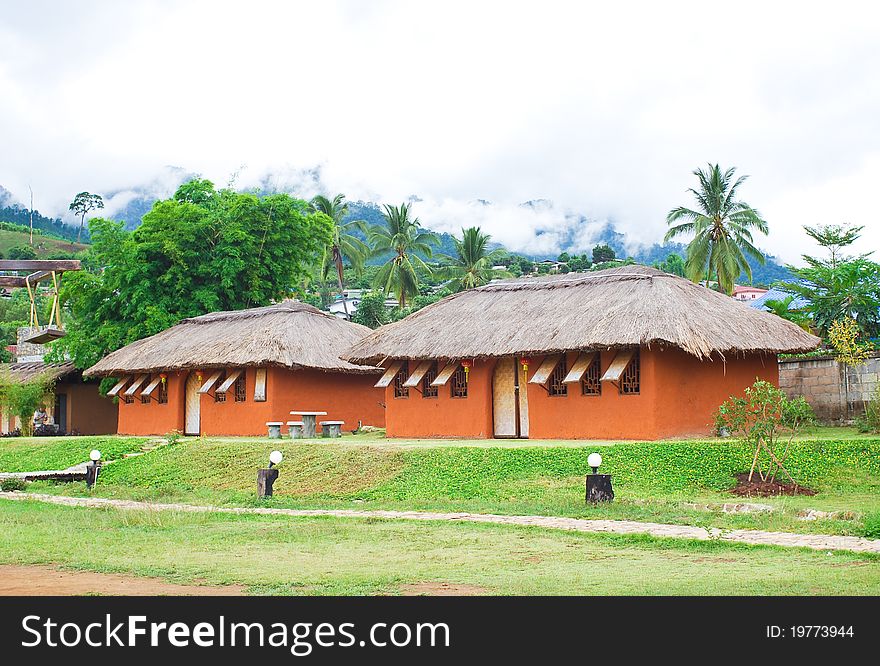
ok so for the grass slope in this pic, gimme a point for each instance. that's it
(53, 453)
(43, 245)
(654, 481)
(346, 556)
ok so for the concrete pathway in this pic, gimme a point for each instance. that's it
(753, 537)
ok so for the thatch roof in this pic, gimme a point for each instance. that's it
(289, 334)
(25, 372)
(618, 307)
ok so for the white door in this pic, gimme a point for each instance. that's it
(522, 397)
(193, 404)
(510, 407)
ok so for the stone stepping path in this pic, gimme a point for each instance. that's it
(752, 537)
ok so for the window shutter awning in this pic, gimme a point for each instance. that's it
(260, 385)
(148, 391)
(389, 375)
(418, 374)
(445, 374)
(618, 365)
(230, 380)
(210, 381)
(583, 362)
(118, 386)
(140, 379)
(548, 365)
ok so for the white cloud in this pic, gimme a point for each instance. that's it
(603, 108)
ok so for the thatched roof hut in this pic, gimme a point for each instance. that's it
(289, 334)
(614, 308)
(25, 372)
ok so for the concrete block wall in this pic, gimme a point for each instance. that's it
(836, 392)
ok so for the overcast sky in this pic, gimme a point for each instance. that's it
(602, 108)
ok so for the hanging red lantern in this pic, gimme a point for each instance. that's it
(163, 377)
(524, 362)
(467, 365)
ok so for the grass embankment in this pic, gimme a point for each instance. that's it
(33, 454)
(280, 555)
(653, 481)
(43, 245)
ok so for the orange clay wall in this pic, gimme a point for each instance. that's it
(444, 416)
(678, 397)
(344, 397)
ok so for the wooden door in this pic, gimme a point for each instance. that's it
(509, 404)
(192, 424)
(522, 397)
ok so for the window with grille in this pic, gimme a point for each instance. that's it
(630, 379)
(163, 393)
(240, 388)
(401, 391)
(429, 391)
(591, 383)
(127, 399)
(145, 399)
(459, 383)
(219, 397)
(557, 387)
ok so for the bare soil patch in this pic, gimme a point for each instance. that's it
(758, 488)
(441, 589)
(41, 581)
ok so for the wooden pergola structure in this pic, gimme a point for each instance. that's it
(39, 270)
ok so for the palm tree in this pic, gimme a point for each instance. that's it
(403, 238)
(472, 265)
(722, 228)
(344, 245)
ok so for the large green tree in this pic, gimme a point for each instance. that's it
(83, 204)
(200, 251)
(344, 245)
(473, 261)
(721, 226)
(402, 239)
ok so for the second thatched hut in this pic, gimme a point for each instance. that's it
(229, 373)
(624, 353)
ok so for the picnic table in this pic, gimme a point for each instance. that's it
(310, 422)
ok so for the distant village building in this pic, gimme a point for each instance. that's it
(229, 373)
(623, 353)
(743, 293)
(346, 304)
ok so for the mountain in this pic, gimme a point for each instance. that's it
(16, 214)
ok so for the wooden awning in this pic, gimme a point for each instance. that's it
(148, 391)
(390, 374)
(140, 379)
(579, 369)
(418, 374)
(445, 374)
(210, 381)
(618, 365)
(548, 365)
(118, 386)
(229, 381)
(260, 385)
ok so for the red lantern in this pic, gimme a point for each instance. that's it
(524, 361)
(467, 365)
(162, 378)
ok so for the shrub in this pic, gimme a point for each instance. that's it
(22, 252)
(870, 420)
(872, 526)
(12, 484)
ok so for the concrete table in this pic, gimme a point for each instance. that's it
(310, 422)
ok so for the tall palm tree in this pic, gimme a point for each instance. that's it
(722, 228)
(344, 244)
(472, 264)
(405, 240)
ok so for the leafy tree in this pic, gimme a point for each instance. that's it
(673, 264)
(344, 244)
(83, 204)
(404, 239)
(200, 251)
(372, 311)
(783, 308)
(22, 398)
(722, 228)
(834, 237)
(580, 263)
(603, 252)
(563, 257)
(22, 252)
(472, 265)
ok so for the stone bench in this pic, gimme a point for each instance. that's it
(296, 429)
(331, 428)
(274, 429)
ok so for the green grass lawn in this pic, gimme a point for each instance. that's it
(654, 481)
(32, 454)
(310, 556)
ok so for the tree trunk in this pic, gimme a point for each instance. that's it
(337, 256)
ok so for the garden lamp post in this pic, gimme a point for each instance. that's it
(93, 467)
(267, 477)
(598, 485)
